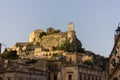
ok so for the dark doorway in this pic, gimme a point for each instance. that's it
(69, 77)
(115, 78)
(55, 77)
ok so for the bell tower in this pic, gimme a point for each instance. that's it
(71, 26)
(71, 32)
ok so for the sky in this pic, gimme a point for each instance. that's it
(95, 20)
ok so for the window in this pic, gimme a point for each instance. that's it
(55, 77)
(48, 77)
(8, 78)
(1, 78)
(88, 77)
(100, 78)
(78, 62)
(69, 77)
(49, 54)
(84, 77)
(92, 78)
(96, 78)
(56, 65)
(49, 66)
(70, 59)
(80, 76)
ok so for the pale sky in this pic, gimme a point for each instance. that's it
(95, 20)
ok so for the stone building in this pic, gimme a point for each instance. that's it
(20, 75)
(114, 58)
(55, 38)
(73, 68)
(13, 70)
(51, 40)
(34, 36)
(81, 72)
(59, 56)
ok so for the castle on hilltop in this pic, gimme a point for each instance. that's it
(50, 42)
(52, 38)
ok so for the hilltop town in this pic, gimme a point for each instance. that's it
(52, 55)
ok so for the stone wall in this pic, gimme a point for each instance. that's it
(23, 76)
(34, 36)
(52, 40)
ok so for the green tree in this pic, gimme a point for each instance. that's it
(42, 34)
(66, 47)
(10, 55)
(82, 50)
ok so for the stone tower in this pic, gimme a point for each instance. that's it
(71, 32)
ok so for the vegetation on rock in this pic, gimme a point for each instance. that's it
(42, 34)
(54, 32)
(10, 55)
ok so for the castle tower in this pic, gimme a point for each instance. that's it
(71, 32)
(71, 27)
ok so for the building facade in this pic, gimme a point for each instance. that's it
(114, 58)
(16, 70)
(57, 55)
